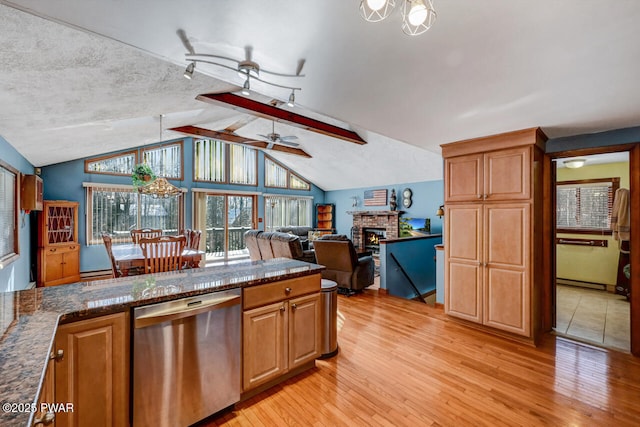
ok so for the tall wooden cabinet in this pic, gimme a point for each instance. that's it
(493, 201)
(58, 248)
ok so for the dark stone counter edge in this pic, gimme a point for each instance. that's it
(27, 391)
(404, 239)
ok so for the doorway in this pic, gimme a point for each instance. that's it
(589, 257)
(225, 218)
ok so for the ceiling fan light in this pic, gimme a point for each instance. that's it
(418, 13)
(376, 10)
(292, 99)
(575, 163)
(188, 72)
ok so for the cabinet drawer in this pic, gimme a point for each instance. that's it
(256, 296)
(62, 248)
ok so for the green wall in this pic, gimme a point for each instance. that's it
(586, 263)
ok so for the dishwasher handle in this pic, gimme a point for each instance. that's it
(181, 312)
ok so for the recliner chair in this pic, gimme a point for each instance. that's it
(337, 253)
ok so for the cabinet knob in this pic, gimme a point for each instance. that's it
(46, 419)
(287, 290)
(282, 308)
(294, 306)
(479, 196)
(57, 356)
(52, 250)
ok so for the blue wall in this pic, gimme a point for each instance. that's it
(427, 197)
(63, 181)
(594, 140)
(16, 275)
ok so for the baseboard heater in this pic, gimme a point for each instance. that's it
(581, 284)
(96, 274)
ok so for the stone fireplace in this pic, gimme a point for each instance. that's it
(387, 222)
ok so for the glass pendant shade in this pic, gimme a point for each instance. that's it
(417, 16)
(376, 10)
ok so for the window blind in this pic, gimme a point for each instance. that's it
(8, 214)
(585, 205)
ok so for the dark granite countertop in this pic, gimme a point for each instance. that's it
(26, 343)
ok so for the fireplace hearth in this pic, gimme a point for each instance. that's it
(385, 221)
(372, 238)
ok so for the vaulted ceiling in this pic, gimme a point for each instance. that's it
(85, 77)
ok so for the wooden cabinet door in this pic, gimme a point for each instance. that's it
(52, 260)
(46, 410)
(304, 330)
(463, 261)
(463, 178)
(71, 264)
(264, 344)
(93, 373)
(507, 295)
(507, 174)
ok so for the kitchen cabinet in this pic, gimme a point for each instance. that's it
(46, 413)
(92, 371)
(281, 329)
(31, 193)
(58, 248)
(493, 210)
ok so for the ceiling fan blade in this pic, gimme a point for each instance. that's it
(289, 138)
(185, 41)
(290, 144)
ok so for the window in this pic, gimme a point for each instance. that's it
(119, 164)
(119, 209)
(585, 206)
(286, 211)
(9, 178)
(165, 160)
(209, 160)
(278, 176)
(242, 165)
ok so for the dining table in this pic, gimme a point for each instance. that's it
(130, 257)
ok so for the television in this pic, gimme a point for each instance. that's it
(415, 227)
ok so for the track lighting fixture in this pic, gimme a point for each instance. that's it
(188, 72)
(247, 70)
(417, 15)
(246, 88)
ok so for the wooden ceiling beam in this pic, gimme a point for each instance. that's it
(237, 139)
(249, 106)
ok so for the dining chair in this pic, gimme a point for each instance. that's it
(137, 234)
(106, 238)
(193, 238)
(162, 253)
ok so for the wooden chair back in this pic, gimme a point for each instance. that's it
(146, 233)
(193, 238)
(162, 253)
(108, 243)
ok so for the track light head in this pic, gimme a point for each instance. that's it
(292, 99)
(188, 72)
(246, 88)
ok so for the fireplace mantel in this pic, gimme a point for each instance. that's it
(375, 213)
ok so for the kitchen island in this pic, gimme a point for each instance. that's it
(26, 345)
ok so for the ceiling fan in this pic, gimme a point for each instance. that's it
(276, 138)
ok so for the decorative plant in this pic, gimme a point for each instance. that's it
(142, 175)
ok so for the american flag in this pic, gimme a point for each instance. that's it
(375, 198)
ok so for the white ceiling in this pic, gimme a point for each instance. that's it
(98, 83)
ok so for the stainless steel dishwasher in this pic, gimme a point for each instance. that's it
(186, 359)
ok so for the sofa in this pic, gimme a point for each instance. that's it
(301, 231)
(337, 253)
(274, 244)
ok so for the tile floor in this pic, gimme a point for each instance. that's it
(593, 316)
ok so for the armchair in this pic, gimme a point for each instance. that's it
(337, 253)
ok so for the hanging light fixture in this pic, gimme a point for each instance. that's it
(246, 88)
(376, 10)
(417, 15)
(188, 72)
(159, 188)
(292, 99)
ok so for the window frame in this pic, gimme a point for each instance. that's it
(179, 143)
(289, 173)
(111, 156)
(615, 184)
(9, 257)
(90, 187)
(225, 161)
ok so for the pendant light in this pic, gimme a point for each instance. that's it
(159, 188)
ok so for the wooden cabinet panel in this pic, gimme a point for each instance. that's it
(464, 233)
(59, 265)
(506, 300)
(464, 178)
(31, 193)
(304, 330)
(47, 398)
(463, 296)
(507, 174)
(506, 231)
(256, 296)
(58, 249)
(93, 373)
(264, 344)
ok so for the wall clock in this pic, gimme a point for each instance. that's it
(406, 198)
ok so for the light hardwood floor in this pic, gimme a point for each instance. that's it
(402, 363)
